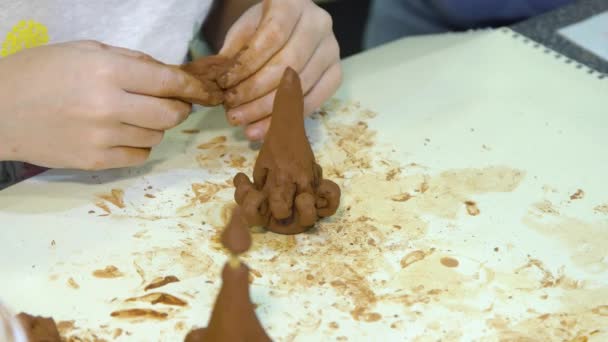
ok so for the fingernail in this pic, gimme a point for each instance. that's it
(235, 118)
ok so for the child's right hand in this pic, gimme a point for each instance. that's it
(89, 106)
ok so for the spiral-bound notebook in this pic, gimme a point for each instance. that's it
(474, 208)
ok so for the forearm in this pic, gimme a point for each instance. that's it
(223, 14)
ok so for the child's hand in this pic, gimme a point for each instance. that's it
(89, 106)
(265, 40)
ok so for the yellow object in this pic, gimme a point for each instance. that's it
(26, 34)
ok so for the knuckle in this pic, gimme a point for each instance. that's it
(169, 77)
(90, 43)
(324, 20)
(173, 115)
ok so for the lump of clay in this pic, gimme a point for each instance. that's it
(288, 194)
(208, 69)
(39, 329)
(233, 318)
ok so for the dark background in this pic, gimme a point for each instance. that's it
(350, 17)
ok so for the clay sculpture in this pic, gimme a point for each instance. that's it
(288, 194)
(233, 317)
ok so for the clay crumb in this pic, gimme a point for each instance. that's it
(108, 272)
(139, 313)
(117, 333)
(546, 207)
(115, 197)
(601, 310)
(449, 262)
(361, 314)
(104, 207)
(401, 197)
(237, 161)
(159, 298)
(65, 327)
(601, 209)
(162, 281)
(190, 131)
(150, 196)
(392, 174)
(472, 208)
(412, 257)
(73, 284)
(212, 143)
(333, 325)
(577, 195)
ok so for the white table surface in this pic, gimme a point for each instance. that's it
(419, 128)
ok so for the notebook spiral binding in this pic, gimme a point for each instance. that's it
(555, 54)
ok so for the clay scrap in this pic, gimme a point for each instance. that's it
(288, 194)
(233, 317)
(39, 329)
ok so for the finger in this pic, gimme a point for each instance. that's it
(251, 111)
(279, 19)
(323, 90)
(301, 46)
(150, 78)
(96, 45)
(241, 31)
(326, 55)
(132, 136)
(152, 112)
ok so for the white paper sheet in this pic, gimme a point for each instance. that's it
(590, 34)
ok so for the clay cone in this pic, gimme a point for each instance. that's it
(288, 194)
(233, 318)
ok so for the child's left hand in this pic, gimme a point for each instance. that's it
(265, 40)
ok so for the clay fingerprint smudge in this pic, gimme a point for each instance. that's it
(449, 262)
(73, 284)
(159, 282)
(108, 272)
(115, 197)
(577, 195)
(413, 257)
(213, 143)
(472, 208)
(139, 313)
(159, 298)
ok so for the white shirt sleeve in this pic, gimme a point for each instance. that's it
(161, 28)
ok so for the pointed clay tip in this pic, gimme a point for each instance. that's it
(290, 79)
(236, 237)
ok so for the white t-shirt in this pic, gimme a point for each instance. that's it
(160, 28)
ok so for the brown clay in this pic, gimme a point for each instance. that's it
(236, 237)
(208, 69)
(233, 318)
(288, 194)
(39, 329)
